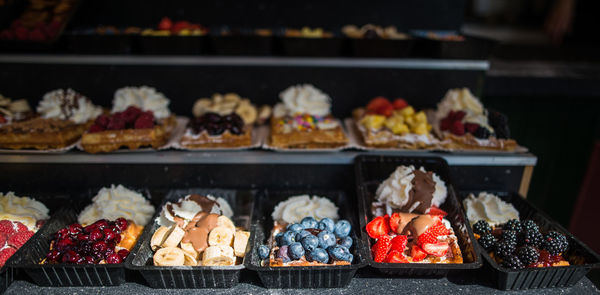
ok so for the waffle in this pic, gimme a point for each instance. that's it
(454, 254)
(384, 138)
(111, 140)
(470, 142)
(41, 134)
(307, 139)
(225, 140)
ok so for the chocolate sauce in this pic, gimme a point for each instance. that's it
(419, 225)
(422, 191)
(204, 202)
(197, 230)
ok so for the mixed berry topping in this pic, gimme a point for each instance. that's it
(454, 123)
(215, 124)
(131, 118)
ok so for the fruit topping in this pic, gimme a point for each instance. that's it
(399, 117)
(381, 248)
(395, 257)
(417, 253)
(487, 241)
(512, 262)
(395, 222)
(13, 234)
(513, 224)
(432, 233)
(528, 255)
(437, 211)
(399, 103)
(378, 227)
(438, 249)
(555, 243)
(504, 249)
(318, 255)
(399, 243)
(499, 122)
(215, 124)
(18, 239)
(131, 118)
(263, 252)
(530, 237)
(480, 227)
(510, 236)
(5, 254)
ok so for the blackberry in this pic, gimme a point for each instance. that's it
(528, 255)
(482, 133)
(480, 227)
(530, 238)
(513, 224)
(529, 225)
(487, 241)
(510, 236)
(499, 122)
(504, 249)
(555, 243)
(512, 262)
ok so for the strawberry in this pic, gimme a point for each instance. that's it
(457, 128)
(5, 254)
(436, 249)
(471, 127)
(20, 227)
(395, 257)
(417, 253)
(378, 104)
(399, 243)
(17, 240)
(3, 238)
(394, 222)
(165, 24)
(399, 103)
(378, 227)
(381, 248)
(432, 233)
(386, 110)
(7, 227)
(434, 210)
(95, 128)
(144, 122)
(180, 25)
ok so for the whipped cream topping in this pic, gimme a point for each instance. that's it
(303, 99)
(294, 209)
(144, 97)
(186, 208)
(489, 207)
(407, 190)
(23, 209)
(67, 105)
(117, 201)
(461, 99)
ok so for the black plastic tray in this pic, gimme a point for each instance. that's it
(241, 44)
(470, 48)
(546, 277)
(98, 43)
(362, 47)
(66, 275)
(179, 277)
(301, 276)
(173, 44)
(371, 171)
(51, 201)
(301, 46)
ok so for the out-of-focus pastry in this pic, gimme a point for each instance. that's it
(14, 110)
(370, 31)
(166, 27)
(307, 32)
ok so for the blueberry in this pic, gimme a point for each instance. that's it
(263, 251)
(295, 227)
(326, 239)
(310, 243)
(301, 235)
(283, 254)
(342, 228)
(345, 242)
(309, 222)
(295, 251)
(337, 252)
(326, 224)
(288, 238)
(348, 257)
(318, 255)
(278, 239)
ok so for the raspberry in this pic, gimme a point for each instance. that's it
(144, 122)
(131, 114)
(471, 127)
(457, 128)
(5, 254)
(102, 121)
(7, 227)
(95, 128)
(17, 240)
(116, 123)
(446, 123)
(457, 116)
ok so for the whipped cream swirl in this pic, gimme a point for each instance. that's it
(303, 99)
(67, 105)
(189, 206)
(23, 209)
(463, 100)
(294, 209)
(144, 97)
(117, 201)
(489, 207)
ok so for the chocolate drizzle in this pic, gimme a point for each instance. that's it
(422, 191)
(204, 202)
(197, 230)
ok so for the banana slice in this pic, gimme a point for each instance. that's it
(247, 112)
(201, 106)
(264, 113)
(232, 97)
(219, 255)
(169, 256)
(240, 241)
(227, 107)
(220, 235)
(189, 260)
(159, 236)
(225, 222)
(217, 98)
(188, 248)
(175, 237)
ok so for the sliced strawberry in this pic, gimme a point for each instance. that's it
(432, 233)
(378, 227)
(437, 249)
(386, 110)
(417, 253)
(471, 127)
(165, 24)
(394, 222)
(399, 243)
(381, 248)
(377, 103)
(457, 128)
(434, 210)
(395, 257)
(399, 103)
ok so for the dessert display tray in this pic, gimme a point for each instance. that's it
(545, 277)
(382, 47)
(301, 276)
(300, 46)
(244, 45)
(173, 44)
(185, 277)
(371, 171)
(471, 48)
(61, 275)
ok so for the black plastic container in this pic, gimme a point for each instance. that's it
(172, 44)
(469, 48)
(313, 47)
(66, 275)
(241, 44)
(546, 277)
(362, 47)
(180, 277)
(98, 43)
(301, 276)
(371, 171)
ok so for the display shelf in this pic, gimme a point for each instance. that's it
(389, 63)
(259, 157)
